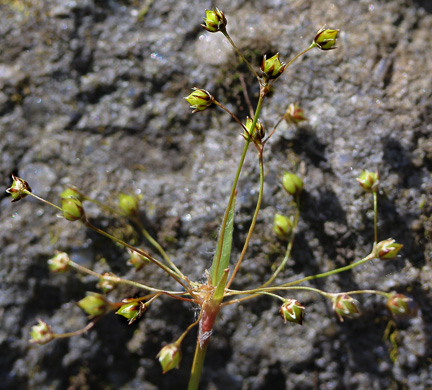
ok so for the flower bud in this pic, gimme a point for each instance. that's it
(59, 263)
(369, 180)
(215, 21)
(258, 134)
(136, 260)
(129, 205)
(199, 99)
(73, 209)
(132, 310)
(19, 189)
(294, 114)
(282, 226)
(400, 305)
(344, 305)
(387, 249)
(95, 305)
(106, 285)
(272, 68)
(71, 191)
(325, 38)
(292, 311)
(292, 184)
(41, 333)
(169, 357)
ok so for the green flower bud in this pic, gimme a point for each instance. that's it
(282, 226)
(387, 249)
(106, 285)
(136, 260)
(292, 311)
(215, 21)
(272, 68)
(199, 99)
(400, 305)
(294, 114)
(95, 305)
(129, 205)
(59, 263)
(19, 189)
(169, 357)
(325, 38)
(344, 305)
(73, 209)
(132, 310)
(41, 333)
(369, 180)
(259, 132)
(292, 184)
(71, 191)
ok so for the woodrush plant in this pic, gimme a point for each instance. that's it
(216, 293)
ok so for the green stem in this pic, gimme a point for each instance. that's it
(375, 203)
(289, 246)
(197, 365)
(158, 247)
(224, 32)
(370, 257)
(254, 219)
(234, 186)
(45, 201)
(168, 270)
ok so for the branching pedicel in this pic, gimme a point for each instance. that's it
(216, 293)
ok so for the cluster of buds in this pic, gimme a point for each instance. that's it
(369, 181)
(387, 249)
(272, 68)
(19, 189)
(41, 333)
(292, 184)
(95, 305)
(59, 263)
(325, 38)
(214, 21)
(294, 114)
(257, 134)
(132, 310)
(344, 305)
(169, 357)
(282, 226)
(292, 311)
(199, 99)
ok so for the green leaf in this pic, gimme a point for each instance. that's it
(223, 250)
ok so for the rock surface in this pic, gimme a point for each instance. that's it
(91, 95)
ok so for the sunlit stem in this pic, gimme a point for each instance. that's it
(224, 32)
(168, 270)
(254, 219)
(118, 280)
(197, 365)
(301, 53)
(370, 257)
(44, 201)
(77, 332)
(144, 231)
(234, 186)
(289, 246)
(375, 203)
(230, 113)
(158, 247)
